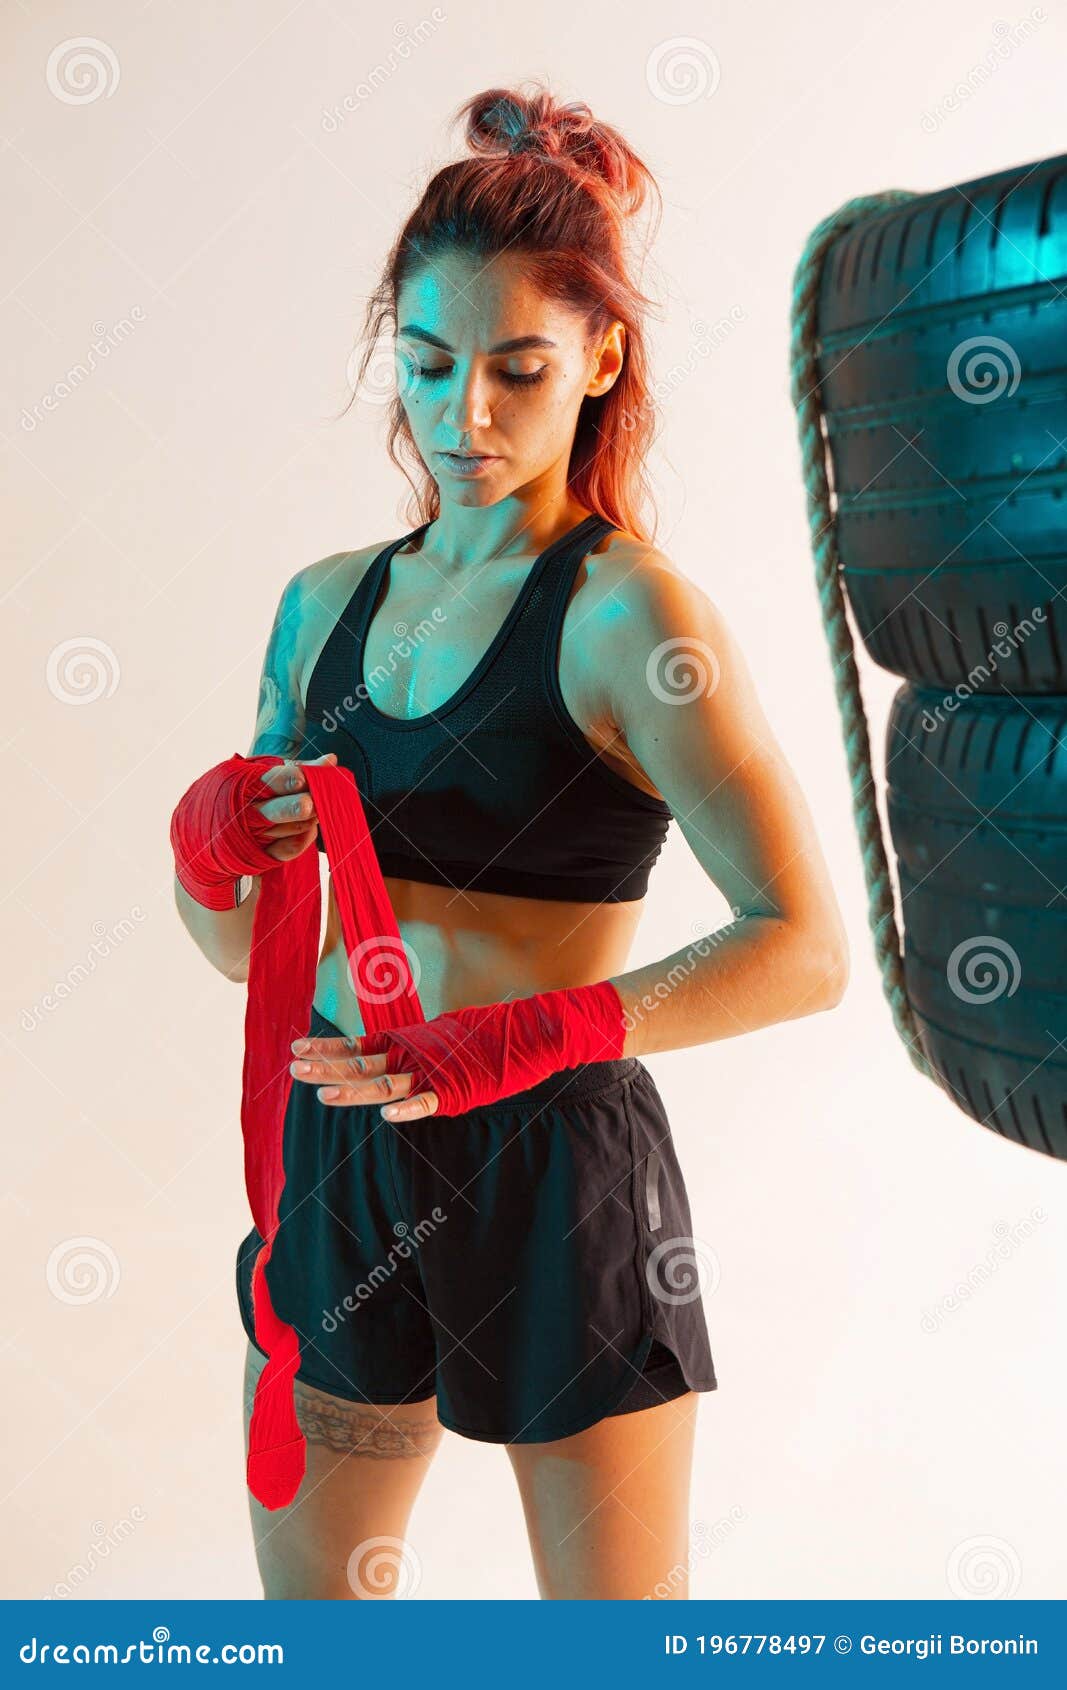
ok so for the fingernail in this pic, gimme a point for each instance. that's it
(328, 1093)
(300, 1067)
(299, 1045)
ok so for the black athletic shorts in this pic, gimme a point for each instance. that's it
(530, 1263)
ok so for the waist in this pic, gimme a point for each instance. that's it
(479, 949)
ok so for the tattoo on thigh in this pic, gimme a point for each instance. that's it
(352, 1428)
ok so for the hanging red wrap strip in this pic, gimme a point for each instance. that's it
(467, 1056)
(281, 983)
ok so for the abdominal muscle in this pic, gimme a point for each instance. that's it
(467, 948)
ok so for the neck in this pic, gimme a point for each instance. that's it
(468, 536)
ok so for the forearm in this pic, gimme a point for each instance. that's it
(224, 936)
(754, 972)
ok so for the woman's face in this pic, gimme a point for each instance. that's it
(486, 365)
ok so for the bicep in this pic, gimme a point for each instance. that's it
(687, 706)
(280, 717)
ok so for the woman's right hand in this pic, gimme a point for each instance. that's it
(293, 813)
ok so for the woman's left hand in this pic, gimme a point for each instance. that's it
(345, 1077)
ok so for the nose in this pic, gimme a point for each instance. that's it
(468, 406)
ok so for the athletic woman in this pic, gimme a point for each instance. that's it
(526, 691)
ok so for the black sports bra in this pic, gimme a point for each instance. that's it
(498, 788)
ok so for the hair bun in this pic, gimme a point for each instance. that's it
(502, 122)
(499, 121)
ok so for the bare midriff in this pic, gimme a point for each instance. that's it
(480, 947)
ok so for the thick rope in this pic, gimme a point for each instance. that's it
(814, 447)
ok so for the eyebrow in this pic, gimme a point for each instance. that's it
(521, 343)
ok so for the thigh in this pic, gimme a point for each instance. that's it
(343, 1534)
(607, 1509)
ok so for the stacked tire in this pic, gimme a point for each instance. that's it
(943, 378)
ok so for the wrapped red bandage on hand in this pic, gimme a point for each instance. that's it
(217, 831)
(471, 1057)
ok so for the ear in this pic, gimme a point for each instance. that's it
(610, 357)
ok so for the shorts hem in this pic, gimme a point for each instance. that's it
(386, 1399)
(372, 1399)
(583, 1421)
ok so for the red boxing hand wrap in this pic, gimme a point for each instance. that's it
(470, 1057)
(218, 832)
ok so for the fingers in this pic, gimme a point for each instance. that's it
(289, 776)
(412, 1108)
(299, 809)
(345, 1076)
(292, 844)
(332, 1062)
(317, 1050)
(293, 811)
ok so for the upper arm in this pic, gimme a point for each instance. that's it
(680, 692)
(307, 612)
(280, 719)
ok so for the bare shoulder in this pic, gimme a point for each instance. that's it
(655, 639)
(639, 636)
(632, 598)
(642, 580)
(620, 600)
(323, 589)
(326, 586)
(307, 610)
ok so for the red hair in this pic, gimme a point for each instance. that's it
(552, 184)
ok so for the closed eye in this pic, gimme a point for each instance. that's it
(438, 372)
